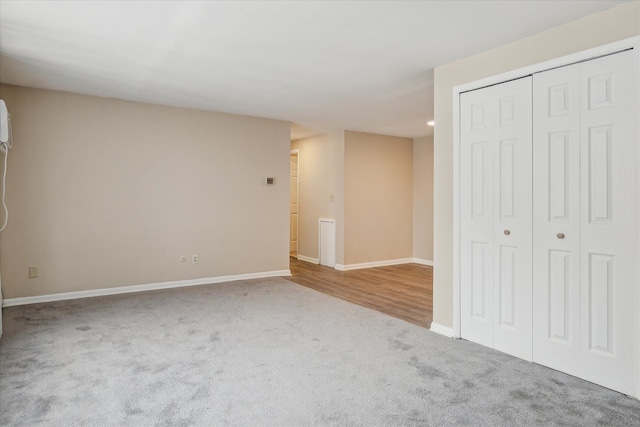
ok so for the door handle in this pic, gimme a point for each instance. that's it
(507, 232)
(560, 236)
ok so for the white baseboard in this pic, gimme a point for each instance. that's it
(423, 261)
(140, 288)
(347, 267)
(308, 259)
(442, 330)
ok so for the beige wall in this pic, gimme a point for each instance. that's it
(605, 27)
(423, 198)
(105, 193)
(336, 187)
(378, 195)
(314, 163)
(313, 191)
(321, 160)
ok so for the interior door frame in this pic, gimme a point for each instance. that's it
(607, 49)
(297, 153)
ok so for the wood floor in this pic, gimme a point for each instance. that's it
(404, 291)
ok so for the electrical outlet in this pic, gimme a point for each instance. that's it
(194, 259)
(33, 272)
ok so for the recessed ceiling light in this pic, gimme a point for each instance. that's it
(431, 123)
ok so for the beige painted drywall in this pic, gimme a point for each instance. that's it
(105, 193)
(423, 198)
(321, 163)
(336, 187)
(314, 161)
(378, 195)
(611, 25)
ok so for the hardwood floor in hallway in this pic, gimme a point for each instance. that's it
(403, 291)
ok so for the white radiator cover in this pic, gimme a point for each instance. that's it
(327, 230)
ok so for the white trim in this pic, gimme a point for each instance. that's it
(562, 61)
(359, 266)
(442, 330)
(10, 302)
(297, 153)
(637, 247)
(332, 220)
(421, 261)
(308, 259)
(456, 213)
(595, 52)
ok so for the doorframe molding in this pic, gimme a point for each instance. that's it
(297, 153)
(603, 50)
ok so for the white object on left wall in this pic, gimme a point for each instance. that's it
(5, 144)
(5, 123)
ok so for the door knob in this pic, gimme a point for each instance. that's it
(507, 232)
(560, 235)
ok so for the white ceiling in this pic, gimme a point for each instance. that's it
(324, 65)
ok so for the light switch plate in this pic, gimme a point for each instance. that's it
(33, 272)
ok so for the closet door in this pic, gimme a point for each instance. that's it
(585, 221)
(556, 219)
(608, 221)
(496, 216)
(476, 207)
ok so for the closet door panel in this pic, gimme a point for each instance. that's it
(608, 221)
(556, 227)
(476, 179)
(496, 216)
(512, 218)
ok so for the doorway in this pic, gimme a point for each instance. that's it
(293, 203)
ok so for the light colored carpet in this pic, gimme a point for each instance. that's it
(269, 353)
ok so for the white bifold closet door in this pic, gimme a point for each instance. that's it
(496, 240)
(585, 221)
